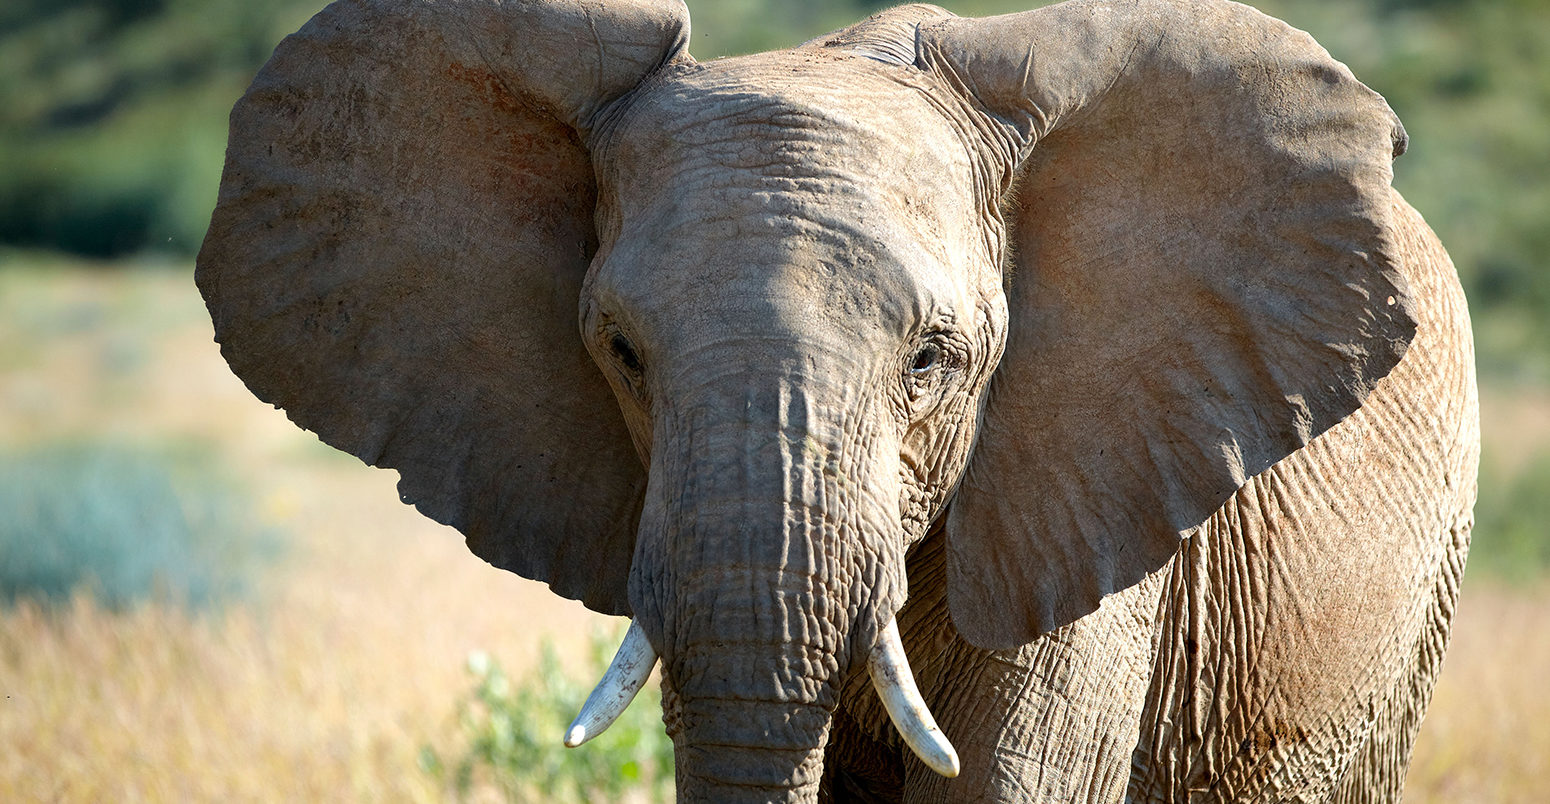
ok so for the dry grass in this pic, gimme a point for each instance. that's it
(1486, 737)
(353, 656)
(326, 688)
(304, 700)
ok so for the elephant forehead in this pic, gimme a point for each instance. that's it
(798, 129)
(777, 273)
(818, 188)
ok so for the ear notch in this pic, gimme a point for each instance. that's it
(1203, 283)
(404, 223)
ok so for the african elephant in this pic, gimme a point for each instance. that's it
(1073, 375)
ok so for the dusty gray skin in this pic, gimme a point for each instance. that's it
(1202, 534)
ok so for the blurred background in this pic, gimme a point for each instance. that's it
(200, 601)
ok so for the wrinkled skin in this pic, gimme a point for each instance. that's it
(1094, 351)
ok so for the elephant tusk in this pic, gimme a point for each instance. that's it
(895, 684)
(627, 673)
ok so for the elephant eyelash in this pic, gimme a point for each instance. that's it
(926, 371)
(625, 353)
(926, 359)
(939, 352)
(626, 359)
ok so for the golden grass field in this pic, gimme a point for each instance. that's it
(351, 654)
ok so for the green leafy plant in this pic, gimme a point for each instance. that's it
(511, 734)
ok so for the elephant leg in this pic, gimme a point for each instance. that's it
(1273, 686)
(1287, 662)
(857, 767)
(1379, 772)
(1054, 720)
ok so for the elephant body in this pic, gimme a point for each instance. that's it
(1080, 365)
(1193, 685)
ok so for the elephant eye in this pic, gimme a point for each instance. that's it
(625, 352)
(926, 359)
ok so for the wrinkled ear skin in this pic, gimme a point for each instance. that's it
(887, 36)
(1202, 284)
(396, 257)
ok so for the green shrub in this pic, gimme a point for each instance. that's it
(513, 738)
(1512, 523)
(123, 523)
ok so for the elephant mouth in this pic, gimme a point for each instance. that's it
(886, 664)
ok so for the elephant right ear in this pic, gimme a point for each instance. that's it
(396, 258)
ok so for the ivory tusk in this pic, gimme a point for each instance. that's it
(895, 684)
(627, 673)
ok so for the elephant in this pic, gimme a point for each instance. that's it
(1057, 406)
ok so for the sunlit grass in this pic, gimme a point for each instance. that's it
(1486, 737)
(158, 704)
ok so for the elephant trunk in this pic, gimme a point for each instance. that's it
(740, 748)
(767, 565)
(751, 671)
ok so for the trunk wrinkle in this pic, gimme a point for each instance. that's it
(767, 562)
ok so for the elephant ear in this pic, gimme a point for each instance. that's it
(396, 257)
(887, 36)
(1203, 282)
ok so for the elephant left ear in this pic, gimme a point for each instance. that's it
(1202, 284)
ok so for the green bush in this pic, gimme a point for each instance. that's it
(124, 524)
(1512, 522)
(114, 125)
(513, 738)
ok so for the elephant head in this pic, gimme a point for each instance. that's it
(1057, 283)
